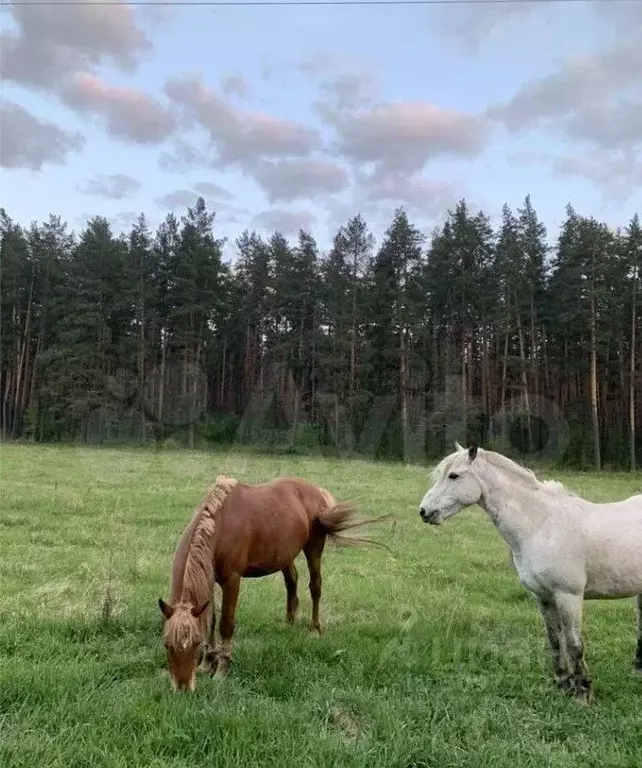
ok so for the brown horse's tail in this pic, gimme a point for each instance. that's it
(337, 518)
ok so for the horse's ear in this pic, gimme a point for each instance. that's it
(458, 447)
(196, 611)
(166, 609)
(472, 452)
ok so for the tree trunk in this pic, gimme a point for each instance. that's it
(632, 463)
(141, 348)
(23, 364)
(594, 407)
(32, 390)
(534, 360)
(221, 394)
(161, 385)
(505, 359)
(313, 372)
(190, 429)
(403, 381)
(353, 341)
(522, 356)
(298, 384)
(7, 413)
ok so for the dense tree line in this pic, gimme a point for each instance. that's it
(394, 350)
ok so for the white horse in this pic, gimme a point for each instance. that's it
(565, 549)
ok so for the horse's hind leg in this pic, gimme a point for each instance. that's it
(638, 652)
(230, 597)
(556, 640)
(291, 577)
(570, 612)
(313, 552)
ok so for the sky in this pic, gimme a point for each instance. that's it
(302, 117)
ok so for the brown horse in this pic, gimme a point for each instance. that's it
(244, 531)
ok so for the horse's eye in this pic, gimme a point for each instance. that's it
(453, 476)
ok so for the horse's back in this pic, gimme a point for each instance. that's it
(263, 527)
(291, 496)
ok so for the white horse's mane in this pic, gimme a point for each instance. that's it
(502, 462)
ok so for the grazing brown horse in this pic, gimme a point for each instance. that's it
(244, 531)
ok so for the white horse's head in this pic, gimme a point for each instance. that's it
(455, 486)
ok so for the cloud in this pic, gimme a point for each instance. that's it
(182, 198)
(184, 158)
(581, 85)
(28, 142)
(55, 40)
(404, 136)
(423, 196)
(477, 22)
(236, 85)
(344, 84)
(116, 186)
(341, 95)
(123, 221)
(617, 174)
(286, 222)
(57, 48)
(129, 114)
(210, 189)
(594, 101)
(611, 126)
(300, 178)
(625, 17)
(240, 137)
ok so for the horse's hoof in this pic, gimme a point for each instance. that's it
(223, 669)
(583, 697)
(208, 669)
(582, 691)
(209, 663)
(316, 631)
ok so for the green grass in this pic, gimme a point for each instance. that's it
(432, 657)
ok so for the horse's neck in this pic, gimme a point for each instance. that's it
(516, 510)
(198, 570)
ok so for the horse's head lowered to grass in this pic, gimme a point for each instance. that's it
(187, 615)
(183, 638)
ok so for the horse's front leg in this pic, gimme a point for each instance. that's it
(570, 611)
(209, 661)
(226, 627)
(638, 653)
(556, 640)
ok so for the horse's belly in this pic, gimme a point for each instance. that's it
(613, 582)
(614, 565)
(274, 550)
(256, 571)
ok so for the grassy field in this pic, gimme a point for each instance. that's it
(433, 656)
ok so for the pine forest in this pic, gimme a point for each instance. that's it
(390, 349)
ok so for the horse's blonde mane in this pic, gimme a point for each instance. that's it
(197, 574)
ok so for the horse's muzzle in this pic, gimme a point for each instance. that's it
(429, 516)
